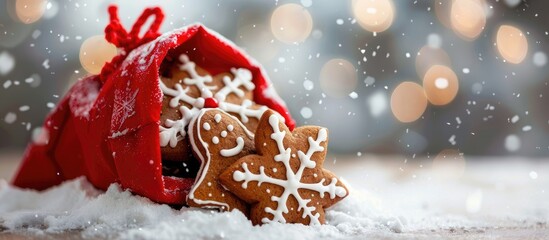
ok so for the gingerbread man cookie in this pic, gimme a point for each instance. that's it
(218, 140)
(187, 89)
(285, 182)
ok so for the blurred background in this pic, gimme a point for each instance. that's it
(414, 78)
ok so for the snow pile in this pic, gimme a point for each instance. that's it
(76, 205)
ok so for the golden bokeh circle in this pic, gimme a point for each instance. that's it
(338, 78)
(449, 164)
(511, 44)
(442, 12)
(468, 18)
(441, 85)
(408, 102)
(428, 56)
(374, 15)
(95, 52)
(30, 11)
(291, 23)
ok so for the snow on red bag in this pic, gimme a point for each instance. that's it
(107, 126)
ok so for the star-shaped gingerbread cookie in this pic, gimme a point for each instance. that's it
(218, 140)
(285, 182)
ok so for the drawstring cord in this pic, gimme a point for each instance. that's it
(117, 35)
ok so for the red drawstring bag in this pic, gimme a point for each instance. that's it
(107, 126)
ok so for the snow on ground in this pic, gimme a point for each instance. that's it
(389, 199)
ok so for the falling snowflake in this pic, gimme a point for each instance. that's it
(292, 184)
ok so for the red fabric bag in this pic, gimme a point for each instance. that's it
(107, 126)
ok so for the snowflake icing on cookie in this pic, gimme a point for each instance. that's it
(292, 183)
(174, 131)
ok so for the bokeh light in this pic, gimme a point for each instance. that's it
(449, 164)
(442, 12)
(441, 85)
(291, 23)
(95, 52)
(52, 8)
(539, 59)
(408, 102)
(468, 18)
(512, 143)
(7, 63)
(374, 15)
(377, 103)
(30, 11)
(511, 44)
(512, 3)
(338, 78)
(473, 203)
(427, 57)
(257, 41)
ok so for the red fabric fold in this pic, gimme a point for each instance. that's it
(107, 128)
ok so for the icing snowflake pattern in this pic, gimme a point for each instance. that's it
(124, 106)
(174, 131)
(293, 179)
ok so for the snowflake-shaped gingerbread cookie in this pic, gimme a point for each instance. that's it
(285, 182)
(189, 88)
(218, 140)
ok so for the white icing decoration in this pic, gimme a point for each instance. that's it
(223, 133)
(242, 77)
(196, 79)
(205, 159)
(244, 110)
(215, 140)
(217, 118)
(173, 131)
(233, 151)
(230, 128)
(292, 183)
(206, 126)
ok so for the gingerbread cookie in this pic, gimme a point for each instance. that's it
(218, 140)
(187, 89)
(285, 182)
